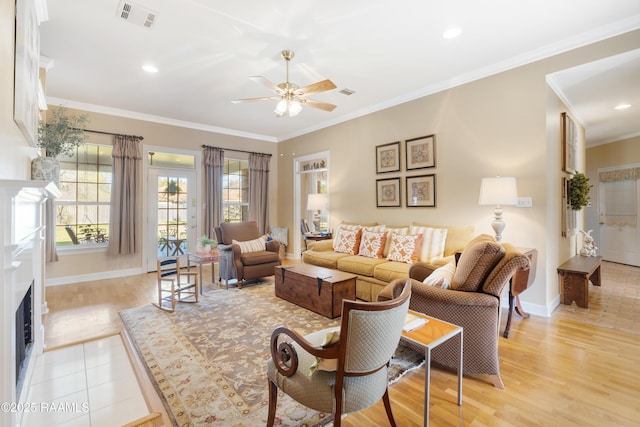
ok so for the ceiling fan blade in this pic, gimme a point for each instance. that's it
(317, 87)
(266, 83)
(264, 98)
(317, 104)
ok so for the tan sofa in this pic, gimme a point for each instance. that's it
(373, 274)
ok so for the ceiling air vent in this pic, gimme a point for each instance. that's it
(136, 14)
(347, 92)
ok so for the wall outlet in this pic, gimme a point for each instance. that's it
(525, 202)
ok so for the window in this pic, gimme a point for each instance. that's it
(235, 190)
(82, 211)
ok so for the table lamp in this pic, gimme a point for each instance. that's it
(316, 202)
(498, 191)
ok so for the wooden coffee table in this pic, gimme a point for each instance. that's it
(315, 288)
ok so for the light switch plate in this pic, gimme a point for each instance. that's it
(525, 202)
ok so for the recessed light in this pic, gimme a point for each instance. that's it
(150, 68)
(452, 32)
(622, 106)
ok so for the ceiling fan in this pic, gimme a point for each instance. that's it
(290, 96)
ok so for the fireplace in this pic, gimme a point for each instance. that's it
(22, 296)
(24, 336)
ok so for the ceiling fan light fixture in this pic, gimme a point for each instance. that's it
(289, 108)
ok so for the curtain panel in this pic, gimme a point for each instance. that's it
(213, 176)
(259, 190)
(124, 213)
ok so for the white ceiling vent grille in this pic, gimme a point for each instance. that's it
(136, 14)
(347, 92)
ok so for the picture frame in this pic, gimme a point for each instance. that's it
(388, 193)
(388, 157)
(420, 152)
(569, 143)
(421, 191)
(27, 82)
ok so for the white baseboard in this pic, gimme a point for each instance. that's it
(92, 277)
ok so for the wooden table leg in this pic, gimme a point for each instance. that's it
(519, 308)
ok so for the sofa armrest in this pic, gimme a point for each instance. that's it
(320, 245)
(273, 246)
(421, 270)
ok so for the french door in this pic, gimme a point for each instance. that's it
(171, 221)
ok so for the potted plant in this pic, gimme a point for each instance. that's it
(205, 244)
(579, 191)
(62, 134)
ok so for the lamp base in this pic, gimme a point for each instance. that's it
(498, 224)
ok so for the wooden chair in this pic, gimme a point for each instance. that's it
(175, 285)
(368, 337)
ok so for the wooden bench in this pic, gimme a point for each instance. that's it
(575, 275)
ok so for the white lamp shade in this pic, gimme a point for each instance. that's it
(316, 202)
(499, 191)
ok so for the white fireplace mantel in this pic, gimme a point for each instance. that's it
(22, 262)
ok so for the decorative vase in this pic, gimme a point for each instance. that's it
(46, 169)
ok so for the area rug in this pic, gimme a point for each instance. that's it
(208, 360)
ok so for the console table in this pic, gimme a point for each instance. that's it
(575, 275)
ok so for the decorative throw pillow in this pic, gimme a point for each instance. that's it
(342, 227)
(330, 365)
(476, 261)
(404, 248)
(403, 231)
(441, 277)
(348, 242)
(372, 243)
(433, 240)
(255, 245)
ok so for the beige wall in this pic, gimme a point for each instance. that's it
(620, 153)
(72, 266)
(495, 126)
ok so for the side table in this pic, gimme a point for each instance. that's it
(575, 275)
(519, 283)
(206, 258)
(428, 336)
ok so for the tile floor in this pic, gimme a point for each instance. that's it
(85, 385)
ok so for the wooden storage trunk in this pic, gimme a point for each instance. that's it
(315, 288)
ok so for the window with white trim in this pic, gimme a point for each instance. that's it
(235, 190)
(82, 211)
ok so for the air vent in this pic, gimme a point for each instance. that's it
(136, 14)
(347, 92)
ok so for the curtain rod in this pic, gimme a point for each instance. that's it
(115, 134)
(237, 151)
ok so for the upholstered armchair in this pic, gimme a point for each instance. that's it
(473, 301)
(350, 372)
(247, 252)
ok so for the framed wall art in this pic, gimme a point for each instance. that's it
(388, 193)
(421, 191)
(27, 83)
(569, 143)
(388, 157)
(421, 152)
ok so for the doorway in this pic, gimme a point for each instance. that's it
(311, 177)
(618, 205)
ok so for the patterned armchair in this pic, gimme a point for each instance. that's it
(483, 270)
(368, 336)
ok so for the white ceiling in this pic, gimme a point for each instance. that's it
(387, 51)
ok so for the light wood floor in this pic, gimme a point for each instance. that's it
(580, 367)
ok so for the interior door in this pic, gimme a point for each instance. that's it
(619, 202)
(171, 224)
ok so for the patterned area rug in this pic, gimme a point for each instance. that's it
(208, 359)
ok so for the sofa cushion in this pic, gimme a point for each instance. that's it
(326, 259)
(457, 236)
(404, 248)
(372, 244)
(360, 265)
(433, 241)
(260, 257)
(254, 245)
(348, 242)
(441, 277)
(391, 270)
(476, 262)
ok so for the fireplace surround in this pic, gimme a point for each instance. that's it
(22, 265)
